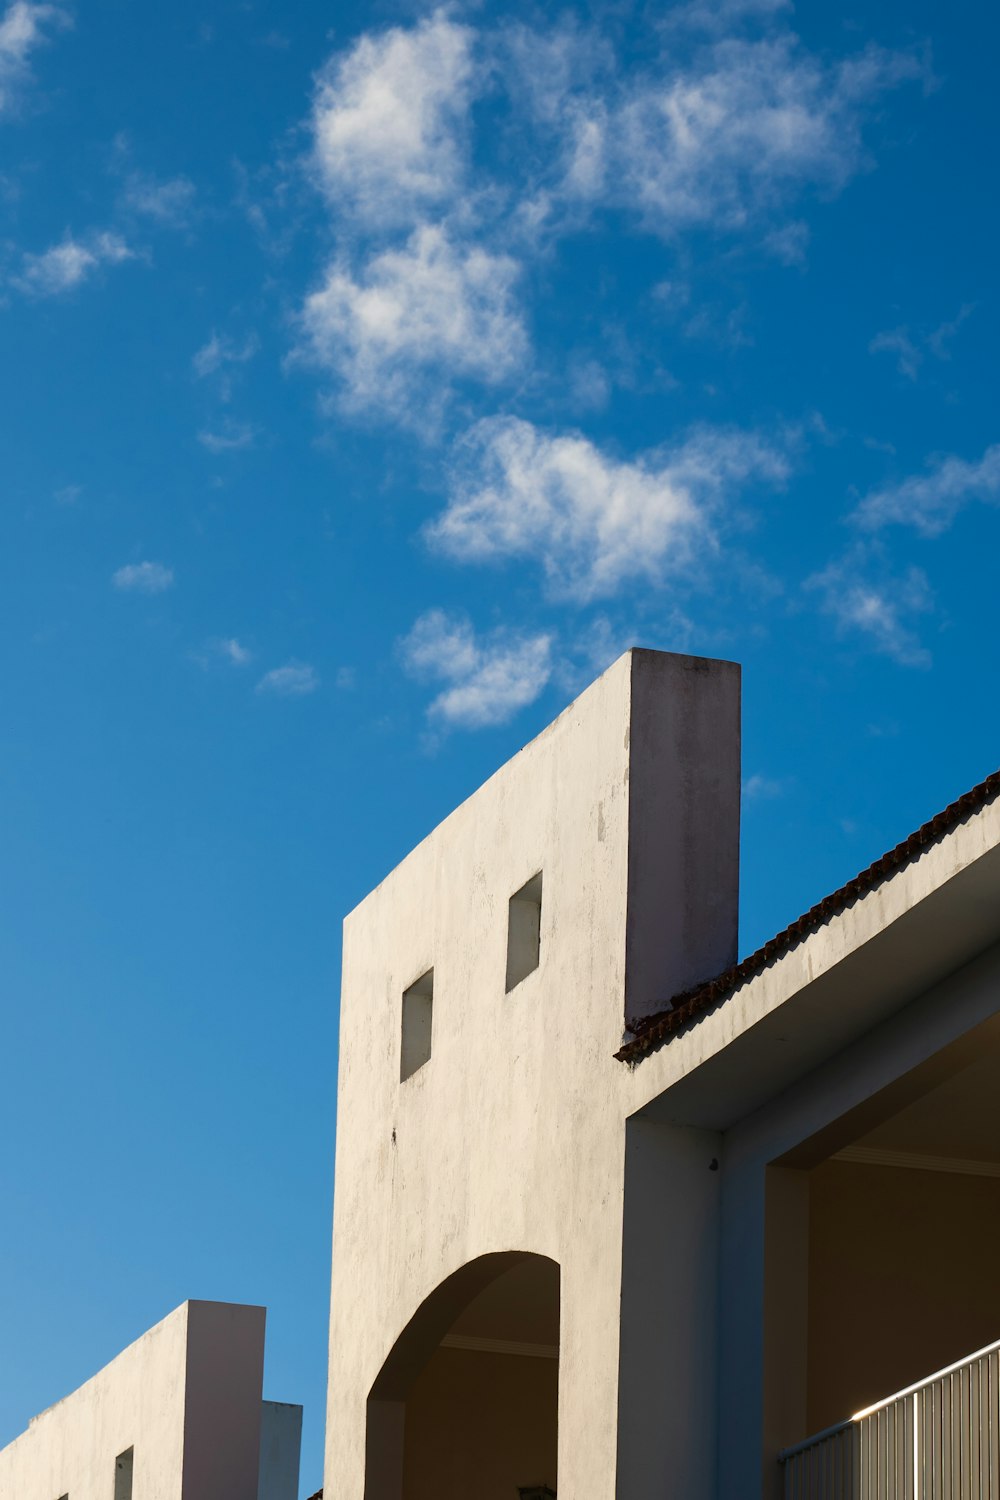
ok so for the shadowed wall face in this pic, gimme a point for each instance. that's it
(902, 1280)
(480, 1424)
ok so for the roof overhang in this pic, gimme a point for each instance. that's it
(937, 913)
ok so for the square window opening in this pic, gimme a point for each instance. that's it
(123, 1475)
(524, 928)
(418, 1014)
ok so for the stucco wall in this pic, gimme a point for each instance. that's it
(521, 1133)
(512, 1136)
(185, 1397)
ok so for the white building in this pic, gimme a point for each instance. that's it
(617, 1215)
(177, 1415)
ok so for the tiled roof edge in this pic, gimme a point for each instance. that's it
(651, 1032)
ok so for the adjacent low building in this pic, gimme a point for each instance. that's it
(178, 1415)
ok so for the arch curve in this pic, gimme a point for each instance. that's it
(483, 1407)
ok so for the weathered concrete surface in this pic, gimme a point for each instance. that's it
(280, 1448)
(185, 1397)
(512, 1136)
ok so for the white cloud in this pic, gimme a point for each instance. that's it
(488, 678)
(718, 15)
(877, 610)
(929, 502)
(592, 521)
(231, 650)
(897, 341)
(221, 351)
(734, 134)
(168, 202)
(759, 788)
(723, 135)
(230, 437)
(910, 348)
(292, 681)
(23, 27)
(387, 120)
(939, 338)
(143, 578)
(430, 306)
(68, 264)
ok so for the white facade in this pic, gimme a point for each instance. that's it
(553, 1266)
(176, 1416)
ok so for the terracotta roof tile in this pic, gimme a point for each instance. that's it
(651, 1032)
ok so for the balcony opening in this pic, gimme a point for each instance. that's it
(467, 1401)
(418, 1015)
(881, 1272)
(123, 1475)
(524, 928)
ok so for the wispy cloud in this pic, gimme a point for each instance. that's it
(488, 678)
(388, 120)
(143, 578)
(592, 521)
(722, 15)
(731, 137)
(294, 680)
(929, 502)
(760, 788)
(879, 609)
(230, 649)
(432, 306)
(166, 201)
(68, 264)
(725, 134)
(911, 349)
(24, 27)
(221, 351)
(228, 437)
(897, 341)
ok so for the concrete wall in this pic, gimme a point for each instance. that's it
(186, 1399)
(512, 1136)
(280, 1449)
(137, 1402)
(671, 1195)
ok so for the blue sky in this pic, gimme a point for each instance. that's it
(372, 376)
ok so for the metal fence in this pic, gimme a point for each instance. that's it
(939, 1440)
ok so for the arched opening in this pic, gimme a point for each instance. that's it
(467, 1401)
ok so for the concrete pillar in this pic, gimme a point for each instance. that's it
(668, 1313)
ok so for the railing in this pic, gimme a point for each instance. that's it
(939, 1440)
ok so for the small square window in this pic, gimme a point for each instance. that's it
(524, 926)
(123, 1475)
(418, 1009)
